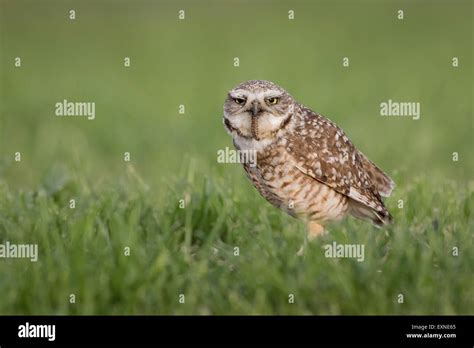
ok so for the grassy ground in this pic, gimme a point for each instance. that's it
(190, 251)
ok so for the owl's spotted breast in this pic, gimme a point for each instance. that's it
(278, 180)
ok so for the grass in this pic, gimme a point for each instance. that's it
(191, 251)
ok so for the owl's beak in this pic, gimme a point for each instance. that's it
(255, 108)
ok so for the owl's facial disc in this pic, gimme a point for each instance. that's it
(256, 114)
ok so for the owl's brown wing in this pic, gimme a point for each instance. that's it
(383, 183)
(323, 152)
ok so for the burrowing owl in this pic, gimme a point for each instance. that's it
(306, 165)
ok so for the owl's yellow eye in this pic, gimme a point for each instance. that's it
(272, 101)
(240, 101)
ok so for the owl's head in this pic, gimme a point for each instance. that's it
(257, 109)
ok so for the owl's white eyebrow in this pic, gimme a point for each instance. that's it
(237, 95)
(272, 95)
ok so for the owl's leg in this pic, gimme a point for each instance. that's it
(315, 230)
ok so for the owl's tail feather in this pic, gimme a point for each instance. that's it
(384, 218)
(379, 218)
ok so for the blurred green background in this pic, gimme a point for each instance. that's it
(174, 156)
(190, 62)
